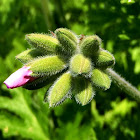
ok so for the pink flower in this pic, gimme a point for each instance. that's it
(19, 78)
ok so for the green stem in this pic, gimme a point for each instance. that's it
(123, 84)
(47, 14)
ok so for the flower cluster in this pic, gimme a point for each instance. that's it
(71, 65)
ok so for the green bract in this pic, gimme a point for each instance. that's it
(68, 65)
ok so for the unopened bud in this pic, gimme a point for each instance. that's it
(44, 42)
(80, 65)
(67, 39)
(83, 90)
(90, 45)
(28, 55)
(100, 79)
(49, 65)
(60, 90)
(105, 59)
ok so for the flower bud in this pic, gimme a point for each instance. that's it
(105, 59)
(80, 65)
(47, 66)
(19, 78)
(44, 42)
(90, 45)
(100, 79)
(67, 39)
(83, 90)
(60, 90)
(28, 55)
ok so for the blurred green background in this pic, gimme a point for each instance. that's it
(112, 114)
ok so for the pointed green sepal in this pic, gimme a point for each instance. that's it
(90, 45)
(68, 40)
(83, 91)
(80, 65)
(105, 59)
(28, 55)
(100, 79)
(49, 65)
(45, 43)
(60, 90)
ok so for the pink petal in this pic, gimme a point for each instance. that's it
(19, 78)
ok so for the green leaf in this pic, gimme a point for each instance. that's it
(18, 118)
(124, 37)
(100, 79)
(122, 108)
(135, 53)
(60, 90)
(127, 1)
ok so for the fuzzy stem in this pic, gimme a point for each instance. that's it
(123, 84)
